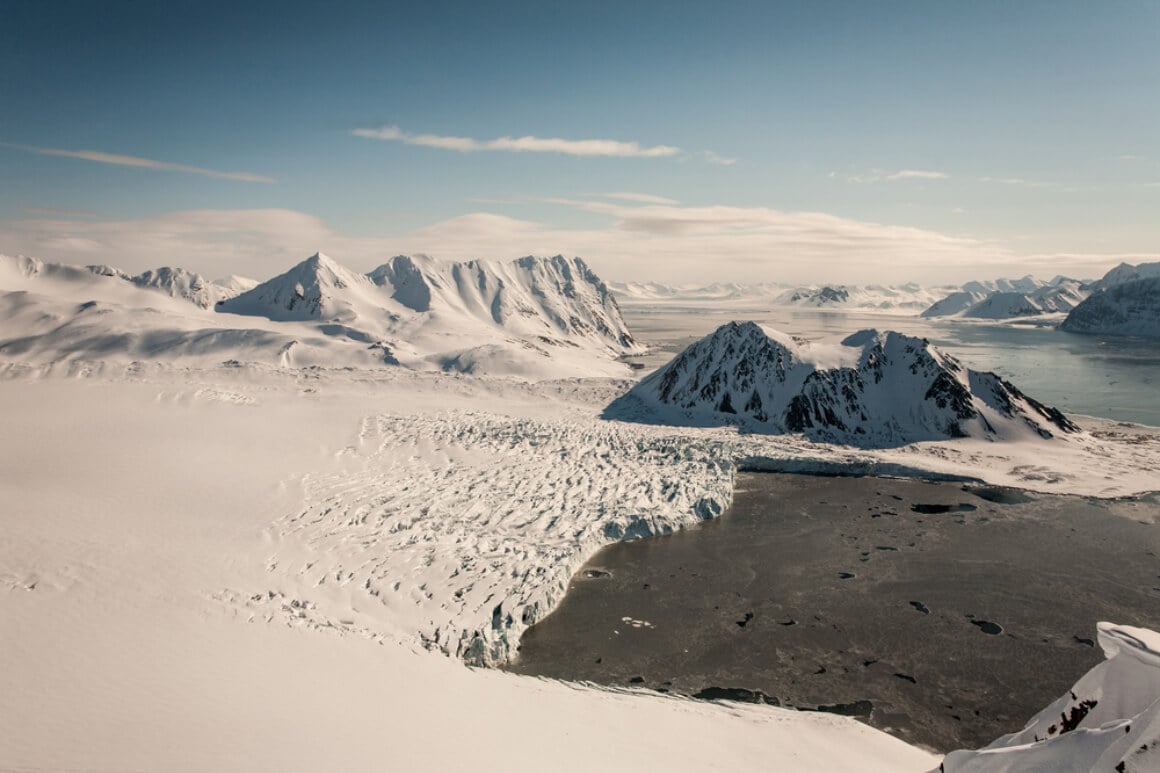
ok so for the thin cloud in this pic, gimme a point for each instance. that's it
(879, 175)
(648, 241)
(714, 158)
(527, 144)
(640, 198)
(917, 174)
(1019, 181)
(138, 162)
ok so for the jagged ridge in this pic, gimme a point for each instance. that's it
(874, 389)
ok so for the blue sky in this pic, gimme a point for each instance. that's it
(763, 141)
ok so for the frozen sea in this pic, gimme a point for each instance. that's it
(1109, 377)
(946, 625)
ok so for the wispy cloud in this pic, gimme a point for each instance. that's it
(714, 158)
(1019, 181)
(527, 144)
(917, 174)
(640, 198)
(141, 163)
(668, 242)
(879, 175)
(1005, 180)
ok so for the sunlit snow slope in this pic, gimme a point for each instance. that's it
(531, 318)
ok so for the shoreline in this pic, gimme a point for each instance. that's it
(591, 654)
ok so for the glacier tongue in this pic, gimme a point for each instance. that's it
(875, 389)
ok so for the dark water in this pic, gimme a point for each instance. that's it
(1110, 377)
(947, 629)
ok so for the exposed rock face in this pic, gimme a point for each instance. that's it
(825, 296)
(1130, 308)
(873, 389)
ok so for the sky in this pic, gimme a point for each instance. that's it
(681, 142)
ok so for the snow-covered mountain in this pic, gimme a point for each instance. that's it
(955, 304)
(1007, 299)
(894, 298)
(1027, 284)
(543, 297)
(179, 283)
(174, 282)
(1123, 273)
(898, 298)
(1130, 308)
(533, 317)
(1110, 719)
(874, 389)
(716, 292)
(318, 288)
(819, 297)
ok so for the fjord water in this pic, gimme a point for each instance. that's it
(943, 613)
(1105, 376)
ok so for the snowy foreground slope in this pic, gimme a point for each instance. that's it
(873, 389)
(263, 594)
(1110, 719)
(132, 566)
(262, 527)
(531, 318)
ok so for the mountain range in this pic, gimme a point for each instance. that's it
(533, 317)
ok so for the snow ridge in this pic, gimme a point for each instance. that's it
(315, 289)
(530, 318)
(1009, 299)
(1110, 719)
(875, 389)
(548, 298)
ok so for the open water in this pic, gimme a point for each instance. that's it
(945, 614)
(1109, 377)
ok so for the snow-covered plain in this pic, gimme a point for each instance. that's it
(251, 566)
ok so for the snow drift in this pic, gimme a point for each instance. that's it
(874, 389)
(1110, 719)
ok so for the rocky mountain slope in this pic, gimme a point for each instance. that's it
(1129, 308)
(873, 389)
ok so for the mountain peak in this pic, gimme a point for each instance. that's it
(876, 388)
(317, 288)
